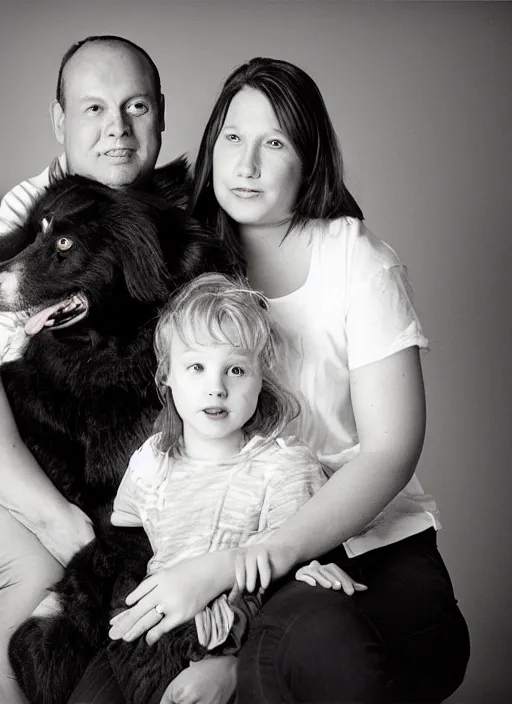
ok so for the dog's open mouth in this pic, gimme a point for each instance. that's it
(59, 315)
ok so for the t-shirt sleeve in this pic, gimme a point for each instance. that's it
(380, 315)
(14, 209)
(135, 486)
(298, 476)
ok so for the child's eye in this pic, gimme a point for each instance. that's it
(235, 371)
(196, 367)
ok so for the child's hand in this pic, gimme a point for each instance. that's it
(328, 576)
(209, 681)
(251, 563)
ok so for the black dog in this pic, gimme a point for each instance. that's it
(84, 396)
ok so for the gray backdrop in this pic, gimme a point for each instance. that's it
(420, 94)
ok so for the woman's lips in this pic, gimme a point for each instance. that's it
(246, 192)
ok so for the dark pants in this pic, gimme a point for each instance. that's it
(403, 640)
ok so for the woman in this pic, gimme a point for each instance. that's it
(269, 178)
(271, 160)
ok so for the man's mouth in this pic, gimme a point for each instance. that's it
(58, 315)
(216, 413)
(120, 153)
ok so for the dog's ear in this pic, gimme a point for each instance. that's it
(172, 182)
(143, 266)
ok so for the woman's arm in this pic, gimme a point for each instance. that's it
(30, 496)
(388, 399)
(389, 406)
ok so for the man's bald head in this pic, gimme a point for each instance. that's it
(60, 94)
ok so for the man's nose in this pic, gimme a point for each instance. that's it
(119, 124)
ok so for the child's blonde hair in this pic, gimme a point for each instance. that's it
(215, 309)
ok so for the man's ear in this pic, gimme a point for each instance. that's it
(161, 115)
(58, 118)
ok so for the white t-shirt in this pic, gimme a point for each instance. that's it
(354, 308)
(14, 209)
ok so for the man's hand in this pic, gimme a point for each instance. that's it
(209, 681)
(66, 533)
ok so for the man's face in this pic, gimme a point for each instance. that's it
(112, 119)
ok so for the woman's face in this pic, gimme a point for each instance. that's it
(256, 170)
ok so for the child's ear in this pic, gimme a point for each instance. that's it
(165, 381)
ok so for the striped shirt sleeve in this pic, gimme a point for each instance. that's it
(298, 477)
(135, 487)
(14, 209)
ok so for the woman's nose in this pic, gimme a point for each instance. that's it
(248, 164)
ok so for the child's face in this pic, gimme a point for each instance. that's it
(215, 388)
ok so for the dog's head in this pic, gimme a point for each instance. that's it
(83, 242)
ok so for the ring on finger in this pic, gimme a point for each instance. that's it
(159, 609)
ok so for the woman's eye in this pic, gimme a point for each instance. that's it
(235, 371)
(63, 244)
(232, 138)
(196, 367)
(137, 109)
(275, 143)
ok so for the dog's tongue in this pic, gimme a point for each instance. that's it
(37, 322)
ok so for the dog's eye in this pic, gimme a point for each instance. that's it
(64, 243)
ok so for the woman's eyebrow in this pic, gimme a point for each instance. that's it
(235, 127)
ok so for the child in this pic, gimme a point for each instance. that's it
(217, 474)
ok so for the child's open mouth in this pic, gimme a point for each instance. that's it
(216, 413)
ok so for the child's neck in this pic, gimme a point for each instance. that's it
(199, 448)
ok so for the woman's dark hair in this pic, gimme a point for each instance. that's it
(302, 115)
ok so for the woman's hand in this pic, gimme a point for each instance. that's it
(328, 576)
(180, 592)
(66, 533)
(209, 681)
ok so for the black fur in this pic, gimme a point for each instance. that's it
(84, 396)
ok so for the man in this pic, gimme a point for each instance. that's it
(109, 115)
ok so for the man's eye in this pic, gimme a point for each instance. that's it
(136, 109)
(63, 244)
(236, 371)
(94, 109)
